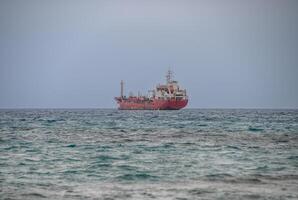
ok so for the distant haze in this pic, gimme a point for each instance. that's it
(73, 54)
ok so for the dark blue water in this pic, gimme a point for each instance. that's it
(111, 154)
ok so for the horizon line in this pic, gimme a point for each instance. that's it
(115, 108)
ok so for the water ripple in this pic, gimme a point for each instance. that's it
(112, 154)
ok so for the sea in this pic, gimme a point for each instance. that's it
(113, 154)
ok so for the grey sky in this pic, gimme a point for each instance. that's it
(227, 54)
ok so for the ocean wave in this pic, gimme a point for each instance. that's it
(110, 154)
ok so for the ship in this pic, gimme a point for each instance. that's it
(167, 96)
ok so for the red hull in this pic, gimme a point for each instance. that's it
(155, 104)
(176, 104)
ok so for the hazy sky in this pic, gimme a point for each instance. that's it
(227, 54)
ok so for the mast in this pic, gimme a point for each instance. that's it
(169, 76)
(122, 88)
